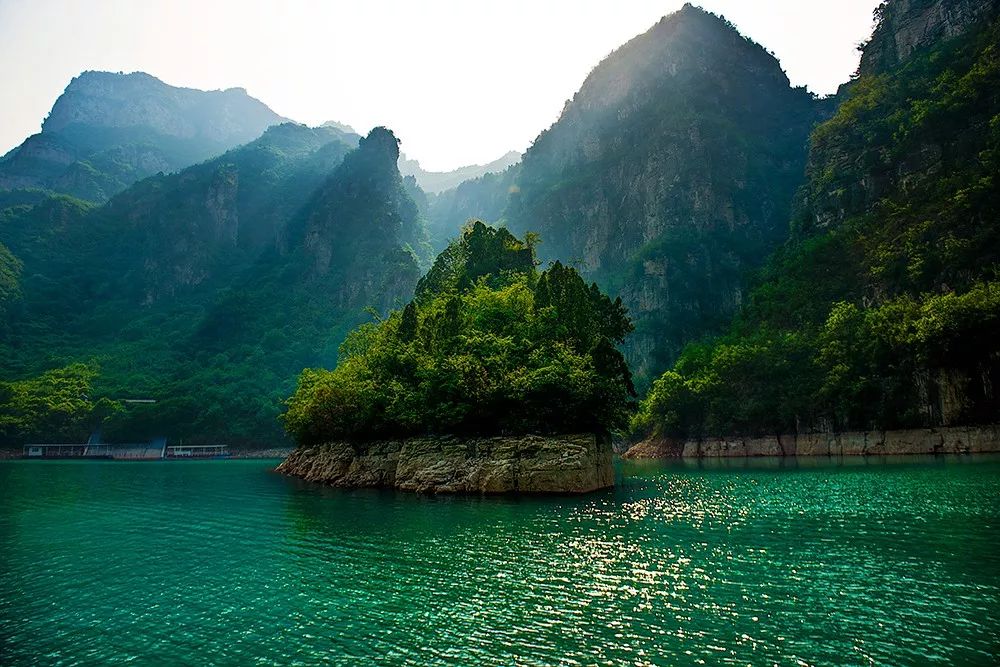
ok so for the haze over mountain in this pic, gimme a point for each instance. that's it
(212, 287)
(434, 182)
(473, 94)
(681, 177)
(668, 176)
(882, 310)
(107, 131)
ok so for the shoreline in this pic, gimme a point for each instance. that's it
(901, 442)
(14, 454)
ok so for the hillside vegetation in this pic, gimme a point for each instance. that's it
(883, 309)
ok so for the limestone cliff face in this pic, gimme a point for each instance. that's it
(946, 440)
(669, 174)
(908, 25)
(851, 168)
(108, 131)
(525, 464)
(358, 226)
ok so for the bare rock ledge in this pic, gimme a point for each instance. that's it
(523, 464)
(942, 440)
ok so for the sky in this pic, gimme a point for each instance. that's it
(458, 81)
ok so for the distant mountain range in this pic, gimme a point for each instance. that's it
(435, 182)
(107, 131)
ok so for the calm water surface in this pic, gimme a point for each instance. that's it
(885, 562)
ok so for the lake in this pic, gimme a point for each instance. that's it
(799, 561)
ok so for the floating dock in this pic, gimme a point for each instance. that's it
(146, 451)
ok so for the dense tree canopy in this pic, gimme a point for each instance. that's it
(56, 406)
(489, 345)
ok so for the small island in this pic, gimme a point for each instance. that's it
(495, 378)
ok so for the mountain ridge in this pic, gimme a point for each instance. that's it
(107, 131)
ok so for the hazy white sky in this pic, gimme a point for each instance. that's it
(459, 81)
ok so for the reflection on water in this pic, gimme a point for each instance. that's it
(722, 561)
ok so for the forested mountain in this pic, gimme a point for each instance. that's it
(107, 131)
(667, 177)
(882, 310)
(209, 289)
(482, 198)
(800, 263)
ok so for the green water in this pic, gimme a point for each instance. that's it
(223, 562)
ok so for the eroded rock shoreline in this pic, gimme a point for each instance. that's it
(942, 440)
(523, 464)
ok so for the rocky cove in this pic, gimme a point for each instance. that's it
(489, 465)
(942, 440)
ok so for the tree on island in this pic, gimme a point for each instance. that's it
(488, 345)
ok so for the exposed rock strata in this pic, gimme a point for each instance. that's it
(525, 464)
(945, 440)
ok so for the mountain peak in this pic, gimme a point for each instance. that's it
(343, 127)
(380, 140)
(140, 100)
(691, 44)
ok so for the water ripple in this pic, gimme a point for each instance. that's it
(729, 563)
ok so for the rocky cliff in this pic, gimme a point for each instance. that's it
(945, 440)
(669, 175)
(206, 223)
(864, 154)
(904, 26)
(526, 464)
(882, 310)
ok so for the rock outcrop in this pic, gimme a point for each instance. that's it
(909, 25)
(945, 440)
(523, 464)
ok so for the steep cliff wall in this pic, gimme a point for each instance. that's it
(669, 175)
(905, 26)
(527, 464)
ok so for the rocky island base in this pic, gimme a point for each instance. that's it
(523, 464)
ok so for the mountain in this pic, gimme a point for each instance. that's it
(107, 131)
(434, 182)
(343, 127)
(173, 232)
(210, 289)
(881, 311)
(483, 198)
(364, 225)
(668, 177)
